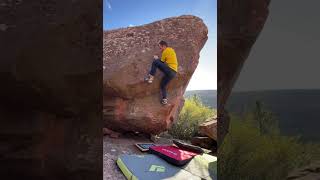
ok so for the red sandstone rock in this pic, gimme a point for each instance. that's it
(110, 133)
(239, 24)
(209, 128)
(106, 131)
(204, 142)
(309, 172)
(130, 104)
(50, 98)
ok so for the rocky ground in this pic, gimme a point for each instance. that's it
(125, 144)
(310, 172)
(112, 148)
(116, 144)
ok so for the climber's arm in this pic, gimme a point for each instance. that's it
(164, 56)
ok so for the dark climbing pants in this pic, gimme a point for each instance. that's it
(169, 74)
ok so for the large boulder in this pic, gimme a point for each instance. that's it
(239, 24)
(50, 98)
(130, 104)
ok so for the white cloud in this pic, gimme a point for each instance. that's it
(108, 4)
(131, 25)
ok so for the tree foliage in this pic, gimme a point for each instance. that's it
(255, 149)
(192, 113)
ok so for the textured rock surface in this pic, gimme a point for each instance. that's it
(310, 172)
(125, 144)
(209, 128)
(50, 98)
(129, 103)
(113, 148)
(239, 24)
(204, 142)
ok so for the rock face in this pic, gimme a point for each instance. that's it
(204, 142)
(309, 172)
(50, 101)
(207, 135)
(209, 128)
(239, 24)
(129, 103)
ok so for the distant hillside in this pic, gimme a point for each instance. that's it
(298, 111)
(208, 97)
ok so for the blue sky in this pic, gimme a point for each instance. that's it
(125, 13)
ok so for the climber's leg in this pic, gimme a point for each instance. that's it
(155, 64)
(163, 86)
(169, 75)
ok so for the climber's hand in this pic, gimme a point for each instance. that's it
(155, 57)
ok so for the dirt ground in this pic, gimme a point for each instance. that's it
(112, 148)
(125, 144)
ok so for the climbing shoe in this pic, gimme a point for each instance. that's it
(149, 79)
(164, 101)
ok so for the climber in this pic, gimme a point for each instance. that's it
(168, 64)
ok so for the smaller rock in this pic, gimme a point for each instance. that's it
(204, 142)
(110, 133)
(309, 172)
(3, 27)
(209, 128)
(114, 135)
(106, 131)
(160, 140)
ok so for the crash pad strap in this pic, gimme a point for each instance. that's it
(125, 170)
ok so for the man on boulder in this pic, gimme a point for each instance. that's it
(168, 64)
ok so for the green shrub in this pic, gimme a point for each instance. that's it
(192, 113)
(254, 149)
